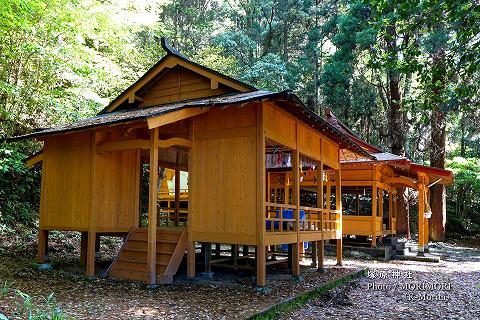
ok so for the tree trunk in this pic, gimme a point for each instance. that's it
(397, 129)
(438, 122)
(403, 212)
(437, 192)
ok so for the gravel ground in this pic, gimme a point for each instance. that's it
(406, 290)
(224, 297)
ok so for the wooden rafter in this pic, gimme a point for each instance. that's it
(401, 180)
(142, 144)
(171, 117)
(33, 160)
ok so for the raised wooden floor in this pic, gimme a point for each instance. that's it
(131, 262)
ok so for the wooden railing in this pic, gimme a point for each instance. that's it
(280, 217)
(284, 218)
(168, 218)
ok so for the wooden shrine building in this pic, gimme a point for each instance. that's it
(369, 189)
(100, 176)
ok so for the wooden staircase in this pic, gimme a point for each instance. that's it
(131, 261)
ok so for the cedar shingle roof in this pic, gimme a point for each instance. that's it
(285, 99)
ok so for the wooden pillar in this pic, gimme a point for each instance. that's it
(92, 235)
(97, 243)
(296, 202)
(421, 219)
(390, 211)
(207, 257)
(245, 251)
(328, 202)
(152, 210)
(177, 190)
(91, 253)
(357, 204)
(42, 255)
(380, 213)
(320, 244)
(191, 258)
(338, 205)
(83, 248)
(234, 251)
(287, 190)
(191, 252)
(374, 214)
(314, 254)
(261, 209)
(426, 231)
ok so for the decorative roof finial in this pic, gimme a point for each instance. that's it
(169, 49)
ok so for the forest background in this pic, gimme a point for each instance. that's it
(404, 75)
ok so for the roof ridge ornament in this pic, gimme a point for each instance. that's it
(169, 49)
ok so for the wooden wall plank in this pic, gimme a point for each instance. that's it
(66, 187)
(227, 204)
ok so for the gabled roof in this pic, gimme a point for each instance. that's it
(155, 114)
(400, 164)
(171, 59)
(330, 117)
(141, 114)
(287, 100)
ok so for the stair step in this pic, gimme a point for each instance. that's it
(128, 274)
(122, 259)
(145, 250)
(142, 245)
(136, 266)
(131, 262)
(161, 237)
(142, 256)
(178, 231)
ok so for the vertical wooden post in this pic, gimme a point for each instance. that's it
(338, 205)
(374, 214)
(421, 219)
(138, 188)
(177, 189)
(390, 211)
(152, 210)
(296, 202)
(321, 243)
(328, 202)
(394, 210)
(314, 254)
(380, 213)
(245, 251)
(287, 190)
(269, 190)
(207, 257)
(190, 243)
(357, 205)
(83, 248)
(261, 209)
(235, 256)
(97, 243)
(91, 240)
(42, 255)
(426, 236)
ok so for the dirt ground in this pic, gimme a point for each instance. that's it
(393, 290)
(406, 290)
(226, 296)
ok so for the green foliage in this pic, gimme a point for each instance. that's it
(464, 193)
(63, 60)
(19, 187)
(27, 309)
